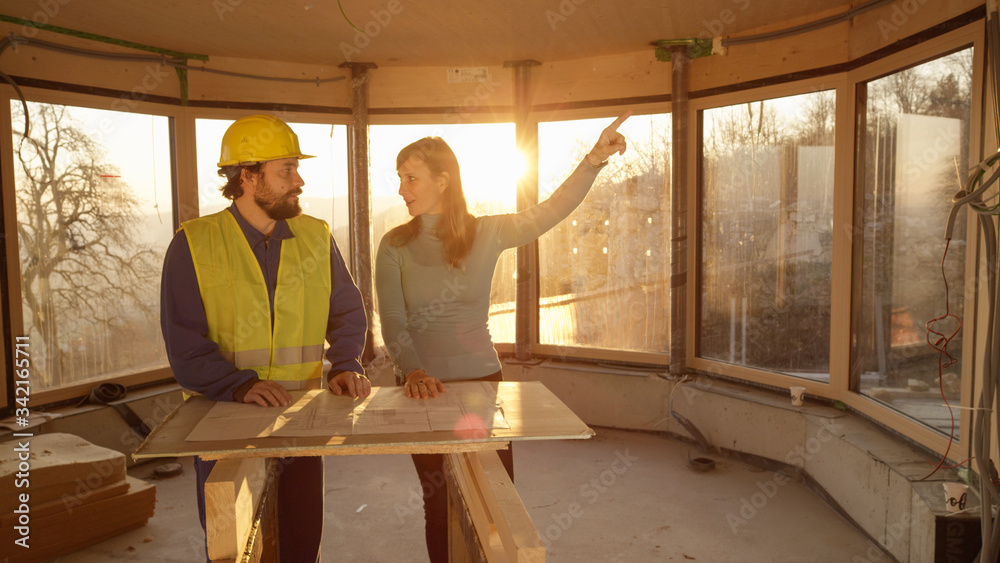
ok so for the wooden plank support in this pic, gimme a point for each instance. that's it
(262, 545)
(463, 541)
(521, 541)
(486, 504)
(232, 492)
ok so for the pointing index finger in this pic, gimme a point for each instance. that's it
(621, 119)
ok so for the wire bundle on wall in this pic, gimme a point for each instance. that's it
(985, 429)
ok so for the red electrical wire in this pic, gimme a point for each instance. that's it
(959, 464)
(945, 359)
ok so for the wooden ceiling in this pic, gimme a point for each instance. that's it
(454, 33)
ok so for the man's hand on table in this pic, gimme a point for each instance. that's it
(419, 385)
(354, 384)
(268, 394)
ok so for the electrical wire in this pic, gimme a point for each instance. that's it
(824, 22)
(8, 42)
(24, 103)
(687, 424)
(981, 431)
(984, 428)
(959, 464)
(16, 40)
(945, 359)
(346, 18)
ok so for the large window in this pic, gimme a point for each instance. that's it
(94, 217)
(490, 166)
(604, 270)
(325, 193)
(915, 153)
(767, 221)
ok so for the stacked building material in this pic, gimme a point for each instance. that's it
(60, 493)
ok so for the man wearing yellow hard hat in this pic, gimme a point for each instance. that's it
(249, 296)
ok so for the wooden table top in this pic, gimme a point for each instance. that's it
(530, 409)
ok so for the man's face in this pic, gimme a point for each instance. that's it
(278, 187)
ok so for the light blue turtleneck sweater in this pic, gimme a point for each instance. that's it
(434, 316)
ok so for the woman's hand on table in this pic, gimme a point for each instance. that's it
(419, 385)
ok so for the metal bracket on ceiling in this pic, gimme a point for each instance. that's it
(697, 47)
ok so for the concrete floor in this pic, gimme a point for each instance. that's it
(620, 496)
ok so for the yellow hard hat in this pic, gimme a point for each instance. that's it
(258, 138)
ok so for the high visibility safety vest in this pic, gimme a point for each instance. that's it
(235, 296)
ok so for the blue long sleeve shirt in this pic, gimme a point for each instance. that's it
(195, 359)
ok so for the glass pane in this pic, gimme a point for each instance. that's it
(489, 162)
(767, 209)
(94, 217)
(604, 271)
(916, 148)
(325, 194)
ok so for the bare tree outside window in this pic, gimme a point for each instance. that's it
(767, 209)
(604, 270)
(89, 279)
(915, 148)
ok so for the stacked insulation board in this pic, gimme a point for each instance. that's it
(60, 493)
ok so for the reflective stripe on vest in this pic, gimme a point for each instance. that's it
(282, 356)
(235, 297)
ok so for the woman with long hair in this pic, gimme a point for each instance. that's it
(433, 276)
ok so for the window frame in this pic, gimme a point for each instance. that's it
(582, 353)
(970, 35)
(845, 83)
(835, 82)
(13, 297)
(846, 178)
(184, 203)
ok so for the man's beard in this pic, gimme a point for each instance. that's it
(276, 206)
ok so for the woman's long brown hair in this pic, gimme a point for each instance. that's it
(457, 227)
